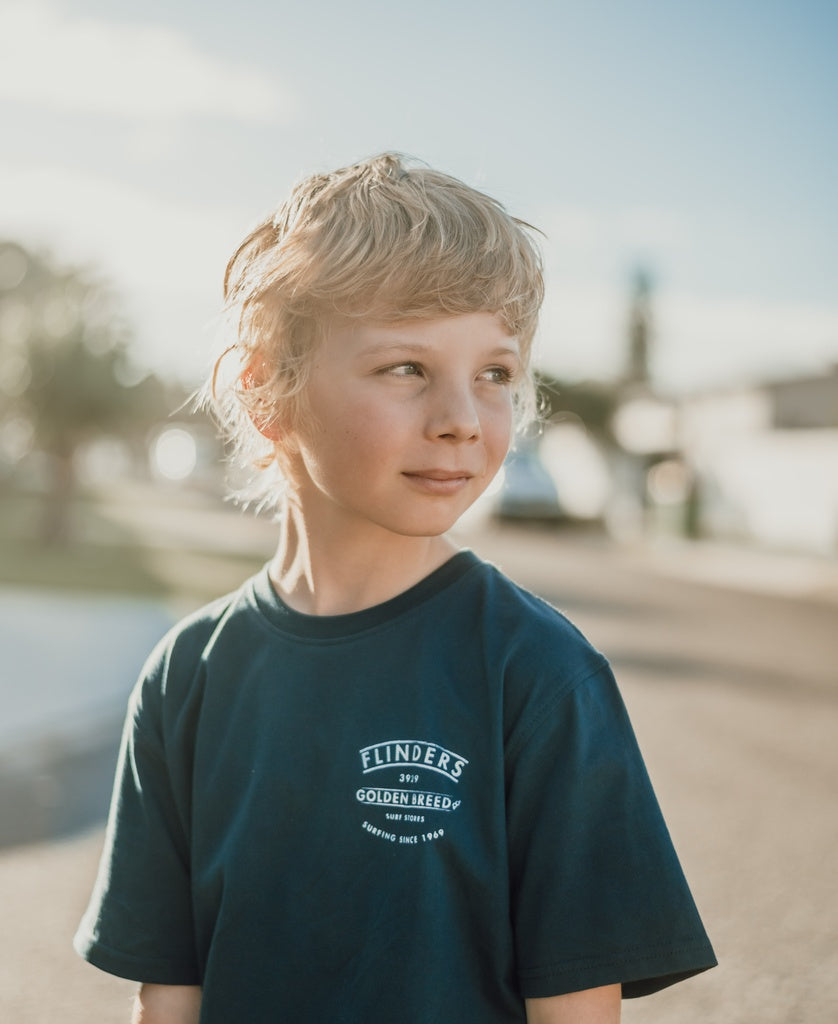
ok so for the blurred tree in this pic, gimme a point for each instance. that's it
(596, 402)
(593, 402)
(65, 368)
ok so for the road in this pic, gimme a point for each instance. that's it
(734, 696)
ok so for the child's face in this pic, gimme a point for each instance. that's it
(409, 422)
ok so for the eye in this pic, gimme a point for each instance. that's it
(498, 375)
(404, 370)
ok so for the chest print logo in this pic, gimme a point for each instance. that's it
(409, 790)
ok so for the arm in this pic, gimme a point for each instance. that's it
(593, 1006)
(167, 1004)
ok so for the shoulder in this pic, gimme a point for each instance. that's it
(538, 654)
(188, 639)
(175, 666)
(528, 631)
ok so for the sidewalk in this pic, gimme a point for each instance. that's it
(737, 567)
(728, 566)
(43, 891)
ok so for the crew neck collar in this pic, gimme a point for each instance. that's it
(326, 627)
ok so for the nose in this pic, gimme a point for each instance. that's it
(453, 413)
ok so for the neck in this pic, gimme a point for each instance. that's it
(320, 571)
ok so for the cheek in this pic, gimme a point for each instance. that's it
(370, 424)
(498, 432)
(353, 436)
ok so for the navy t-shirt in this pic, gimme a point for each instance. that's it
(424, 811)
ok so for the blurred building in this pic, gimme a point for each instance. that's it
(765, 461)
(805, 402)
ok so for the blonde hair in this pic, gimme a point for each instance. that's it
(384, 240)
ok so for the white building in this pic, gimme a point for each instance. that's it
(766, 462)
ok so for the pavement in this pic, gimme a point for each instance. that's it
(737, 567)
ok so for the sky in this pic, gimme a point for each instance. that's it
(697, 142)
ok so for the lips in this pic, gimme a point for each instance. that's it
(439, 482)
(440, 474)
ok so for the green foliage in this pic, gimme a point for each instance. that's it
(66, 375)
(65, 345)
(592, 402)
(107, 557)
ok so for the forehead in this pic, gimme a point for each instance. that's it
(480, 332)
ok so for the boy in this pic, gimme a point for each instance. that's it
(381, 782)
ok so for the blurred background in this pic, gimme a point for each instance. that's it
(680, 503)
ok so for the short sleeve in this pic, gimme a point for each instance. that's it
(138, 924)
(598, 894)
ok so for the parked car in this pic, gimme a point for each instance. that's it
(527, 491)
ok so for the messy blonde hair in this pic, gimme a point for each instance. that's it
(384, 239)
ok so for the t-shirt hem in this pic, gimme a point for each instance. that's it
(639, 975)
(140, 969)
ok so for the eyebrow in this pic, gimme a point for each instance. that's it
(377, 349)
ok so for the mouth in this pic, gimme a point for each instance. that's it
(439, 481)
(440, 474)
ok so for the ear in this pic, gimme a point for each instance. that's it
(253, 376)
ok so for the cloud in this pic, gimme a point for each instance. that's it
(133, 235)
(715, 331)
(704, 340)
(168, 256)
(699, 341)
(582, 328)
(165, 257)
(583, 232)
(131, 70)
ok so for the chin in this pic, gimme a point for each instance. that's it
(434, 528)
(418, 521)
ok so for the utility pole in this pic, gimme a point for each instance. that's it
(639, 332)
